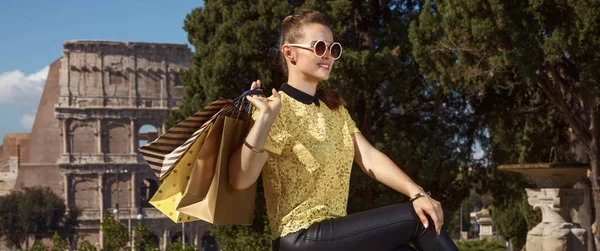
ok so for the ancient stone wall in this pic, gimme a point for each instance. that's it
(38, 164)
(122, 74)
(9, 161)
(103, 99)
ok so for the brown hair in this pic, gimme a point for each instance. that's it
(291, 32)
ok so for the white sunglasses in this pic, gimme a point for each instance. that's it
(320, 48)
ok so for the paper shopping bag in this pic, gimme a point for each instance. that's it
(174, 185)
(163, 153)
(222, 203)
(204, 166)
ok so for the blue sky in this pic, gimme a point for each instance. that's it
(33, 32)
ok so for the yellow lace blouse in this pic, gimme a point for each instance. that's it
(307, 181)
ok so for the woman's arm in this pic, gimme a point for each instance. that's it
(245, 165)
(380, 167)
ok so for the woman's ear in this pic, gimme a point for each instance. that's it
(288, 53)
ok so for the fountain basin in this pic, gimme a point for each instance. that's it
(550, 175)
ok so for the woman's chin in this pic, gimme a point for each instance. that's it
(322, 77)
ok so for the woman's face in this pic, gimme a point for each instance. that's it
(307, 63)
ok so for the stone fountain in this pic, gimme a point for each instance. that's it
(555, 197)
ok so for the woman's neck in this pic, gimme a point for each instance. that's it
(304, 85)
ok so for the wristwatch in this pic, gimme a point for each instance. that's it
(419, 195)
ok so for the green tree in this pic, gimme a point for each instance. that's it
(36, 212)
(177, 246)
(426, 131)
(10, 227)
(58, 243)
(519, 134)
(244, 238)
(85, 245)
(515, 134)
(235, 43)
(543, 51)
(115, 234)
(38, 245)
(482, 245)
(144, 239)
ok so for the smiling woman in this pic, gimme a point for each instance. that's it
(304, 152)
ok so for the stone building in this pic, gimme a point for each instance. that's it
(12, 145)
(101, 101)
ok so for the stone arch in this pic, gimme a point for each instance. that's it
(147, 190)
(119, 138)
(85, 192)
(147, 133)
(83, 138)
(117, 191)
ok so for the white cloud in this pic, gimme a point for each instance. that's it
(16, 88)
(27, 120)
(479, 154)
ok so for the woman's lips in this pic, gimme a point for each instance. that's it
(324, 66)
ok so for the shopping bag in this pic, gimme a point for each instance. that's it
(173, 186)
(163, 153)
(204, 166)
(222, 203)
(202, 152)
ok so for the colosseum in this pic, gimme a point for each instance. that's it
(101, 101)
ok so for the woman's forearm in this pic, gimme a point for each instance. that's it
(387, 172)
(245, 165)
(383, 169)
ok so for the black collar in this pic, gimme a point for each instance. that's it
(300, 96)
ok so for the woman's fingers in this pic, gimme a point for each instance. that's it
(263, 103)
(258, 101)
(253, 101)
(422, 217)
(431, 207)
(441, 214)
(438, 205)
(432, 212)
(437, 215)
(255, 85)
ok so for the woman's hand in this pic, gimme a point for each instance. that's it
(264, 105)
(428, 206)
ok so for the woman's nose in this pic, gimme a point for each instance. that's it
(327, 54)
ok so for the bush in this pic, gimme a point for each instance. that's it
(177, 246)
(480, 245)
(85, 245)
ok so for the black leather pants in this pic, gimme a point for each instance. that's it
(382, 229)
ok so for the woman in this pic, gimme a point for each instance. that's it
(304, 141)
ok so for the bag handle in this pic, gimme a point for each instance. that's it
(242, 105)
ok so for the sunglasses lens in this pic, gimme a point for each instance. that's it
(336, 50)
(320, 48)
